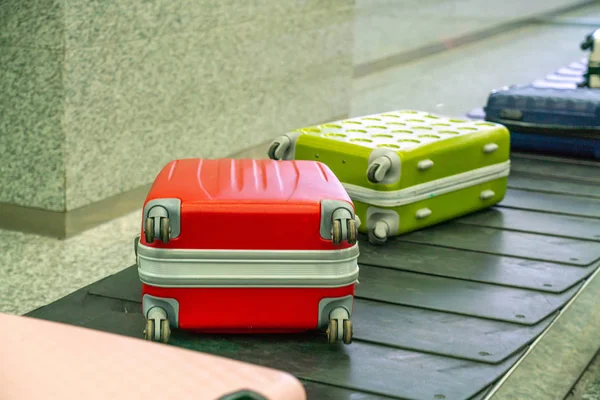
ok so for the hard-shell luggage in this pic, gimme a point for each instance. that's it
(406, 170)
(48, 360)
(248, 246)
(559, 121)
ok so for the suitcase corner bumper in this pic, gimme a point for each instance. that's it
(170, 307)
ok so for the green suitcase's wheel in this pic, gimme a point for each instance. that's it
(272, 150)
(371, 173)
(336, 232)
(332, 331)
(352, 231)
(165, 230)
(376, 240)
(149, 230)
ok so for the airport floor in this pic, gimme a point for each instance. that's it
(36, 270)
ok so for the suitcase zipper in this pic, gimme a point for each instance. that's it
(429, 189)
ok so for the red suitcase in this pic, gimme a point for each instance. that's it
(248, 246)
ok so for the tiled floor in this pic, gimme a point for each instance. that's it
(37, 270)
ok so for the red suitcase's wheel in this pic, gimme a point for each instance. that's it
(352, 231)
(149, 331)
(165, 230)
(336, 232)
(348, 331)
(272, 150)
(332, 331)
(149, 230)
(165, 331)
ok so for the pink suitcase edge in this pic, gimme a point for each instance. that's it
(72, 362)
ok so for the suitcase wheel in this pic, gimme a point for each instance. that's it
(348, 331)
(371, 173)
(336, 232)
(332, 328)
(149, 331)
(343, 226)
(149, 230)
(338, 235)
(157, 326)
(273, 150)
(378, 169)
(379, 233)
(164, 232)
(165, 331)
(352, 231)
(339, 326)
(279, 147)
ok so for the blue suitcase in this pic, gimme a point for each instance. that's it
(568, 77)
(549, 120)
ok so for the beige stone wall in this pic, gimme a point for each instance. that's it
(97, 95)
(138, 83)
(32, 159)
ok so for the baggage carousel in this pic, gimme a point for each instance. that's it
(501, 304)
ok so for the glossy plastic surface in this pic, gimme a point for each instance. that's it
(442, 208)
(48, 360)
(248, 310)
(546, 108)
(546, 144)
(556, 117)
(248, 204)
(453, 145)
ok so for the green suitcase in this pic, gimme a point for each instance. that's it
(406, 170)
